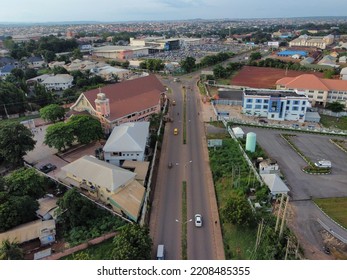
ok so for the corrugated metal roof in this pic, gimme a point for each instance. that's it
(99, 173)
(128, 137)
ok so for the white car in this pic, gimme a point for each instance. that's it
(198, 220)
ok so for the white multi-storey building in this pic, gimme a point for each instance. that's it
(275, 104)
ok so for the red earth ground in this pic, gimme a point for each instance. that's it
(264, 77)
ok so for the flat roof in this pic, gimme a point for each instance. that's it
(274, 93)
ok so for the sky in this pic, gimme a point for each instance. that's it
(146, 10)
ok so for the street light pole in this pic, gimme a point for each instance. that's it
(183, 223)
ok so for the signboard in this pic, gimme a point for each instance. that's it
(214, 143)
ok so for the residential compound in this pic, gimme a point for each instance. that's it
(275, 104)
(112, 185)
(319, 91)
(127, 141)
(312, 41)
(128, 101)
(53, 82)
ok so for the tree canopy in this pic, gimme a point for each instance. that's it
(26, 181)
(238, 211)
(188, 64)
(52, 113)
(11, 251)
(15, 141)
(132, 243)
(335, 106)
(82, 128)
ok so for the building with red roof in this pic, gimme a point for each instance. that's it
(128, 101)
(319, 91)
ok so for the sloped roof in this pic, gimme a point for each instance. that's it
(310, 81)
(129, 96)
(99, 172)
(130, 199)
(128, 137)
(59, 79)
(275, 183)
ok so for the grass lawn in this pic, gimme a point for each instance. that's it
(333, 122)
(100, 251)
(336, 208)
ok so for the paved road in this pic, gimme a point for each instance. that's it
(188, 163)
(200, 240)
(308, 220)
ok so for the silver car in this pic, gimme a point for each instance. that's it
(198, 220)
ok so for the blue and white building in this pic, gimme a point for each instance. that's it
(275, 104)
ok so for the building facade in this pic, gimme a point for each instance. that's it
(275, 105)
(128, 101)
(127, 142)
(319, 91)
(312, 41)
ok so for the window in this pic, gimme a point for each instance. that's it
(249, 106)
(257, 107)
(265, 107)
(302, 108)
(296, 102)
(319, 97)
(266, 101)
(311, 91)
(320, 92)
(295, 108)
(258, 101)
(303, 102)
(116, 154)
(249, 100)
(288, 101)
(287, 108)
(310, 96)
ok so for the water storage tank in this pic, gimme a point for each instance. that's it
(251, 141)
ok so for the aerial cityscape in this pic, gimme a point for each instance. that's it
(173, 130)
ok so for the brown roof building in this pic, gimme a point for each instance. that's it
(319, 91)
(128, 101)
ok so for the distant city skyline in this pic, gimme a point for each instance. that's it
(37, 11)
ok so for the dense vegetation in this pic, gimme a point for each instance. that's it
(233, 180)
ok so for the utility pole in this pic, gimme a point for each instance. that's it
(281, 214)
(6, 111)
(259, 233)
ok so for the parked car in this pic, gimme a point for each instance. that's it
(198, 220)
(47, 168)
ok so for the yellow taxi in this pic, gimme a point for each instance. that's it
(175, 131)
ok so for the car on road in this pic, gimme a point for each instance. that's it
(47, 168)
(198, 220)
(175, 132)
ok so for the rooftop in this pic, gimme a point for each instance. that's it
(272, 93)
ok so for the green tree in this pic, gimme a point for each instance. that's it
(329, 73)
(188, 64)
(86, 129)
(18, 73)
(13, 97)
(77, 54)
(26, 181)
(15, 141)
(11, 251)
(132, 243)
(59, 136)
(16, 210)
(77, 210)
(49, 56)
(238, 211)
(220, 72)
(59, 70)
(52, 113)
(335, 106)
(255, 56)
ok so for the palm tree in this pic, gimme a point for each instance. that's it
(11, 251)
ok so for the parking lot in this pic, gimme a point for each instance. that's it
(302, 185)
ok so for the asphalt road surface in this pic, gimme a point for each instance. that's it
(189, 165)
